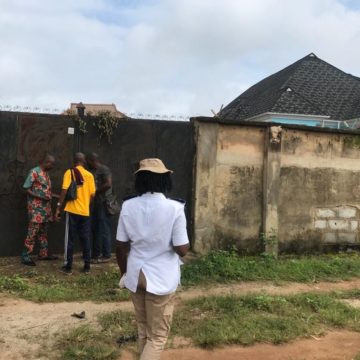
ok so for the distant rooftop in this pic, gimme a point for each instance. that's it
(94, 109)
(310, 86)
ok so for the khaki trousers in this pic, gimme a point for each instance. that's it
(153, 315)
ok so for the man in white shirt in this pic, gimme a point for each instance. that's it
(151, 238)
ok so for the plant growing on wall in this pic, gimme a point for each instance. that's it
(105, 124)
(78, 120)
(352, 141)
(270, 244)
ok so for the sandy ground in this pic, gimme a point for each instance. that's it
(25, 325)
(339, 345)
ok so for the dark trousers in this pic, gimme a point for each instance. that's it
(101, 233)
(79, 226)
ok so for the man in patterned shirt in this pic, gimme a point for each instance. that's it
(39, 195)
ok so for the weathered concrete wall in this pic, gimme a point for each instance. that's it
(228, 188)
(320, 190)
(296, 185)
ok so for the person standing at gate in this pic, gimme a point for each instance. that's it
(100, 217)
(151, 238)
(77, 211)
(39, 195)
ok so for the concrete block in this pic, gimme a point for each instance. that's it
(346, 212)
(320, 224)
(339, 224)
(325, 213)
(354, 224)
(330, 238)
(348, 237)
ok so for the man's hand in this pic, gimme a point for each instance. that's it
(122, 282)
(57, 216)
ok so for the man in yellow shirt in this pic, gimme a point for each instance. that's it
(77, 211)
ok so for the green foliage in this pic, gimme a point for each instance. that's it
(212, 321)
(87, 343)
(118, 322)
(105, 123)
(352, 141)
(221, 320)
(94, 343)
(13, 284)
(216, 267)
(51, 288)
(270, 244)
(222, 266)
(78, 120)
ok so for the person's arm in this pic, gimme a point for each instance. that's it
(180, 239)
(32, 194)
(182, 249)
(65, 187)
(122, 250)
(60, 204)
(28, 184)
(122, 244)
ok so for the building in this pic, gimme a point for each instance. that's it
(309, 92)
(94, 109)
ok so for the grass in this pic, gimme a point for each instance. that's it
(223, 266)
(49, 288)
(217, 267)
(86, 343)
(97, 343)
(222, 320)
(212, 321)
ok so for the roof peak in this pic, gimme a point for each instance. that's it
(319, 87)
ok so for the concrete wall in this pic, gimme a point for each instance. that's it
(296, 185)
(228, 191)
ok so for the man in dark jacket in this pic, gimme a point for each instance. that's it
(100, 217)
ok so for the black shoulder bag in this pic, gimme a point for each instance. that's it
(71, 193)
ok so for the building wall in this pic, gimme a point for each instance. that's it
(302, 187)
(228, 189)
(320, 190)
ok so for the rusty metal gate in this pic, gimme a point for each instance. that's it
(25, 138)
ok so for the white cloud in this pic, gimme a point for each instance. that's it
(164, 56)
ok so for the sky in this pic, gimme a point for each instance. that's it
(167, 57)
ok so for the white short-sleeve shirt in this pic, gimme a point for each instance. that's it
(153, 224)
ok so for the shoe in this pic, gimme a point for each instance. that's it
(28, 262)
(66, 270)
(86, 269)
(104, 259)
(49, 257)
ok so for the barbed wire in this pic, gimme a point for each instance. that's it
(175, 117)
(57, 111)
(31, 109)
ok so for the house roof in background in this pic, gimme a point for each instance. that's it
(310, 86)
(94, 109)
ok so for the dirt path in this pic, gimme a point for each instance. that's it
(286, 288)
(24, 325)
(339, 345)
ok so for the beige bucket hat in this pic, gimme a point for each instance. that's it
(154, 165)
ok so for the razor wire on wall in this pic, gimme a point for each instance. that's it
(135, 115)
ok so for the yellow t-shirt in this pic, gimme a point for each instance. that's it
(80, 206)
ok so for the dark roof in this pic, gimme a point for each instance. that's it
(310, 86)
